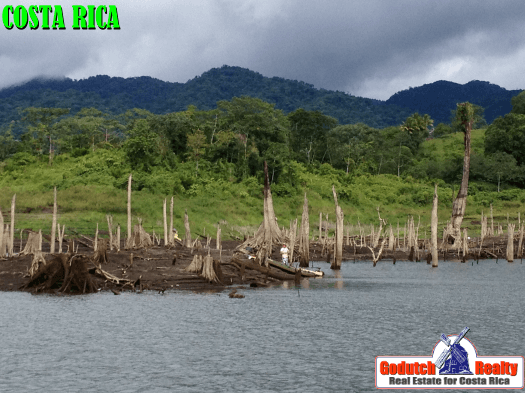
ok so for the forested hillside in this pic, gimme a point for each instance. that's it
(115, 96)
(213, 159)
(439, 98)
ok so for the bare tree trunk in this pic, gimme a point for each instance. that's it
(172, 240)
(293, 236)
(510, 243)
(338, 259)
(320, 225)
(40, 240)
(54, 224)
(484, 226)
(95, 243)
(32, 244)
(491, 221)
(129, 240)
(391, 240)
(520, 243)
(405, 238)
(398, 244)
(460, 203)
(2, 241)
(434, 228)
(326, 229)
(187, 236)
(381, 223)
(5, 251)
(272, 232)
(21, 242)
(110, 229)
(304, 240)
(12, 233)
(118, 238)
(60, 237)
(218, 245)
(165, 218)
(269, 232)
(465, 243)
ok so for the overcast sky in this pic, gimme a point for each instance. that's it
(368, 48)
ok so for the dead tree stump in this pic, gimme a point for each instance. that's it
(32, 244)
(304, 240)
(66, 273)
(100, 255)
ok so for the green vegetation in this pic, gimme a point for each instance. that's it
(211, 162)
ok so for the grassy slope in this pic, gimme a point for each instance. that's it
(87, 193)
(444, 148)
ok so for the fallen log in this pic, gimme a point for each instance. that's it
(265, 270)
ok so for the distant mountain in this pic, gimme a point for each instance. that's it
(116, 95)
(439, 98)
(120, 94)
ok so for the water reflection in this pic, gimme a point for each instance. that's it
(339, 279)
(304, 284)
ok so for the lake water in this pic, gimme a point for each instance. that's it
(321, 337)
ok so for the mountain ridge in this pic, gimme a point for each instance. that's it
(117, 94)
(440, 97)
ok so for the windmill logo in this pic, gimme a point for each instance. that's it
(454, 359)
(454, 364)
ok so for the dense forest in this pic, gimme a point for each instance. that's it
(231, 142)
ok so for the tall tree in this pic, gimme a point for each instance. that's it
(257, 125)
(7, 142)
(416, 128)
(40, 123)
(87, 128)
(465, 117)
(144, 147)
(308, 133)
(518, 104)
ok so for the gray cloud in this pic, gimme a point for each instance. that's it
(369, 48)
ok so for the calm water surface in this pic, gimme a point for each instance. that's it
(320, 337)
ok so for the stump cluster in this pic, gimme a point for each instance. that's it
(65, 273)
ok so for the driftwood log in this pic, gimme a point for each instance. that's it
(273, 273)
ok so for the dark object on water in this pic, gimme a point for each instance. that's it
(394, 260)
(429, 258)
(234, 295)
(115, 292)
(259, 284)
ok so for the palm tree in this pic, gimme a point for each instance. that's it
(465, 117)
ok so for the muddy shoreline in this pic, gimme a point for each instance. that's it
(161, 269)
